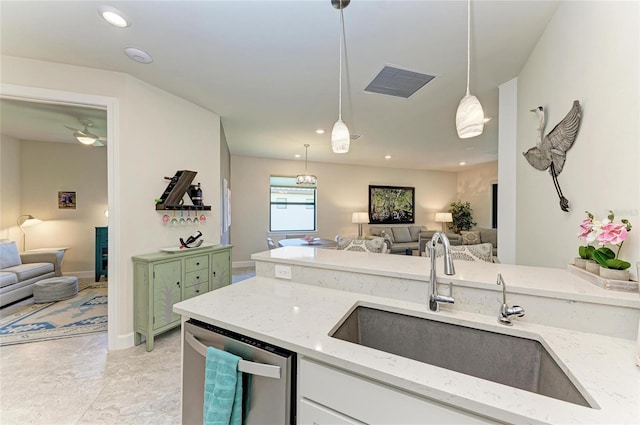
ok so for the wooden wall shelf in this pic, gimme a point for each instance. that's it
(183, 207)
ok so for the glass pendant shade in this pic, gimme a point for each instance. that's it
(469, 117)
(340, 137)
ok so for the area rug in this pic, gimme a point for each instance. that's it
(83, 314)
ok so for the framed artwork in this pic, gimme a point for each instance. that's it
(391, 204)
(67, 200)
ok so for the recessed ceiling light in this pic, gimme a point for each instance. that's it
(113, 16)
(297, 155)
(320, 131)
(138, 55)
(463, 163)
(387, 157)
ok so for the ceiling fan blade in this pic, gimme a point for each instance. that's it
(98, 144)
(72, 129)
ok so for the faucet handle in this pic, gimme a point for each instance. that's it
(516, 310)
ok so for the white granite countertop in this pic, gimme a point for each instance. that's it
(537, 281)
(300, 317)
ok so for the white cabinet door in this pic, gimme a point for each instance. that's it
(313, 414)
(371, 401)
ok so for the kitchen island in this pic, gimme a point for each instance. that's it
(299, 314)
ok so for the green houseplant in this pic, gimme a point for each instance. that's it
(462, 216)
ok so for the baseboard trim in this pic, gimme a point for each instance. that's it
(120, 342)
(243, 264)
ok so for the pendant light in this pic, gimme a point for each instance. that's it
(306, 179)
(340, 137)
(470, 116)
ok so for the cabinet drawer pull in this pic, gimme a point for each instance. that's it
(197, 291)
(197, 277)
(178, 283)
(197, 264)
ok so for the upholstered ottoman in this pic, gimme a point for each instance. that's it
(55, 289)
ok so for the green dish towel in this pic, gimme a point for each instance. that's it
(222, 389)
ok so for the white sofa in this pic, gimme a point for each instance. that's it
(20, 271)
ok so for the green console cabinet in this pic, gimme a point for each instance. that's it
(102, 252)
(165, 278)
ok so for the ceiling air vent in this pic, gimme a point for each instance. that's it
(398, 82)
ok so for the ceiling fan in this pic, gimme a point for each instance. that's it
(84, 136)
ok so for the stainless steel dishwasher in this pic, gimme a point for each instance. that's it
(268, 375)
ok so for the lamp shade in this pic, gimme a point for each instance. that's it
(360, 217)
(340, 137)
(469, 117)
(28, 221)
(444, 218)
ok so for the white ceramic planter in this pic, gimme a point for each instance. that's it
(614, 274)
(581, 262)
(593, 267)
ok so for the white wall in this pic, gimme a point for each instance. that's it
(588, 52)
(10, 192)
(342, 190)
(49, 168)
(507, 158)
(474, 186)
(158, 134)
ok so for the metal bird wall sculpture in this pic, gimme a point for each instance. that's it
(551, 151)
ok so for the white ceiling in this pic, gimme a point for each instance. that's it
(270, 68)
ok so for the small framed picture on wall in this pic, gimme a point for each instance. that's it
(67, 200)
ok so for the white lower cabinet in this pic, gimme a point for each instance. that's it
(314, 414)
(328, 395)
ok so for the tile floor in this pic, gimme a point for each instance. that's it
(77, 381)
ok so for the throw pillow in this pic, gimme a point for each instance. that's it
(470, 238)
(401, 234)
(382, 231)
(9, 256)
(479, 252)
(415, 231)
(362, 245)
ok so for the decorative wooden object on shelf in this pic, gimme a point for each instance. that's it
(172, 196)
(615, 285)
(163, 279)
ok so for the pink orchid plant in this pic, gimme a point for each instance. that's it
(606, 232)
(589, 235)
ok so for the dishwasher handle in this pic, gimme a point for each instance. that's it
(253, 368)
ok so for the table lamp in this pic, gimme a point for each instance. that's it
(443, 218)
(360, 218)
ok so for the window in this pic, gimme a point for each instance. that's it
(292, 207)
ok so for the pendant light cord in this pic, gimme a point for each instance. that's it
(340, 72)
(468, 42)
(306, 153)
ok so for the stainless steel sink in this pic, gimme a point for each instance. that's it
(510, 360)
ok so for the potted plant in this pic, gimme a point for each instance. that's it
(462, 216)
(611, 233)
(585, 252)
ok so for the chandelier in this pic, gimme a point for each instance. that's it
(306, 179)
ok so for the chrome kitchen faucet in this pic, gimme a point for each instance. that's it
(434, 297)
(505, 310)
